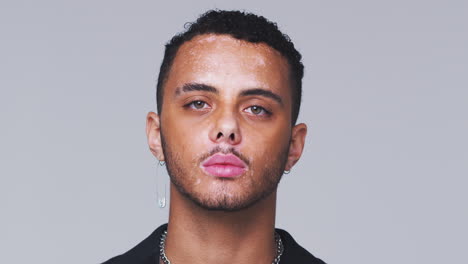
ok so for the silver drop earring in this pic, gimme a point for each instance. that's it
(161, 184)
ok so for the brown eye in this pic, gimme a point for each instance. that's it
(198, 104)
(257, 110)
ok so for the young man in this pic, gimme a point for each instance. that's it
(228, 96)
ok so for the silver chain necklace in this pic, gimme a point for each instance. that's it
(162, 245)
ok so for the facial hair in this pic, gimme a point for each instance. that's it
(257, 187)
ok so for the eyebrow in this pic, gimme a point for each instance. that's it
(190, 87)
(262, 92)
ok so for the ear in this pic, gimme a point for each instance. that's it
(153, 133)
(296, 145)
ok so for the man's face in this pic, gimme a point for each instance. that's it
(225, 123)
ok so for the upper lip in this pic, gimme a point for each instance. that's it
(221, 159)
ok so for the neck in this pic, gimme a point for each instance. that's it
(196, 235)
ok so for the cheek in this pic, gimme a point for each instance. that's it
(266, 143)
(186, 138)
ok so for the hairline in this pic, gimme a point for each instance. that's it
(292, 81)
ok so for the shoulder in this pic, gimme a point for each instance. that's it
(145, 252)
(294, 253)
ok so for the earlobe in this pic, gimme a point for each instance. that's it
(153, 133)
(296, 145)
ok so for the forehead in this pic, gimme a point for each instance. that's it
(224, 60)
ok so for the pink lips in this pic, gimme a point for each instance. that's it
(227, 166)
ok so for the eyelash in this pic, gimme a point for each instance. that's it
(192, 106)
(264, 111)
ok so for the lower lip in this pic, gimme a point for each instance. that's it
(225, 171)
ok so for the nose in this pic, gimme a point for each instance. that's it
(226, 129)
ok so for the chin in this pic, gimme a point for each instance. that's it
(226, 203)
(226, 196)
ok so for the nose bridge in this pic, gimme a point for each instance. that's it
(226, 125)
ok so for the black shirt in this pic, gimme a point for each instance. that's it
(147, 252)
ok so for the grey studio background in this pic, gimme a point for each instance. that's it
(384, 175)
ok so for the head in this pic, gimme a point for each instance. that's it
(229, 86)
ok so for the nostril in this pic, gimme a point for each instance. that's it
(231, 137)
(219, 135)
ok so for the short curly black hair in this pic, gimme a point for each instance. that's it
(244, 26)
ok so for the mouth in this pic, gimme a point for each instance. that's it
(224, 166)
